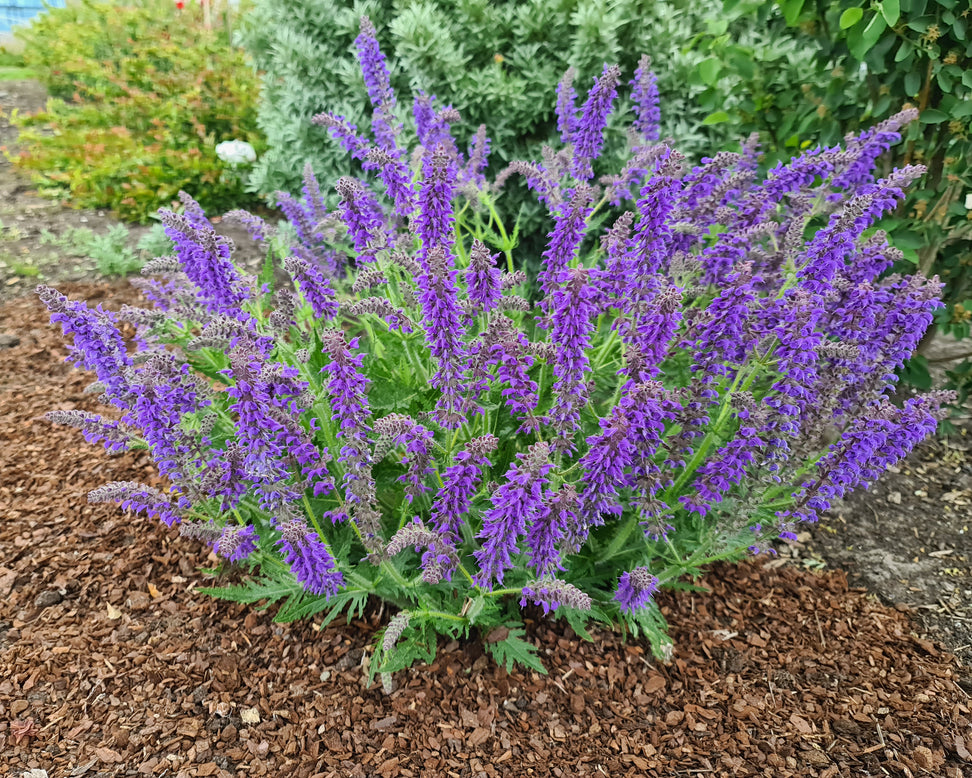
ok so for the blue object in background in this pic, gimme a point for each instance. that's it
(22, 11)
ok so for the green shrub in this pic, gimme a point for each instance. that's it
(496, 61)
(140, 96)
(871, 60)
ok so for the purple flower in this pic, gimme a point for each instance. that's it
(345, 132)
(460, 482)
(636, 589)
(474, 171)
(314, 287)
(378, 83)
(588, 134)
(443, 332)
(94, 428)
(349, 402)
(516, 503)
(308, 557)
(98, 345)
(205, 258)
(645, 96)
(575, 306)
(236, 543)
(399, 430)
(363, 217)
(550, 526)
(439, 560)
(483, 279)
(567, 106)
(855, 165)
(141, 499)
(551, 593)
(569, 229)
(435, 219)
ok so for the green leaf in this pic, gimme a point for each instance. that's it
(912, 83)
(709, 70)
(932, 116)
(869, 37)
(967, 78)
(850, 17)
(512, 650)
(891, 9)
(791, 10)
(716, 118)
(962, 109)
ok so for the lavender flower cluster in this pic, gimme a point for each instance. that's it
(397, 418)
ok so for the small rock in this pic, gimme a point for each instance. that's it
(35, 773)
(48, 598)
(8, 340)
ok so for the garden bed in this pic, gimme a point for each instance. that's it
(115, 665)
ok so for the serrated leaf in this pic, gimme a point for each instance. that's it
(512, 651)
(850, 17)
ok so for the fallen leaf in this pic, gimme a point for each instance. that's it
(153, 592)
(113, 612)
(250, 716)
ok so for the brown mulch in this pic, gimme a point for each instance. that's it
(111, 663)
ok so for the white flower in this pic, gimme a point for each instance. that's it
(968, 202)
(236, 152)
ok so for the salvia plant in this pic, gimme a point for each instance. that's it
(706, 359)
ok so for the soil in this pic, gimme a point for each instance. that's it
(112, 663)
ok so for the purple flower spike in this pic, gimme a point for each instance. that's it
(378, 83)
(474, 172)
(551, 593)
(363, 217)
(588, 136)
(570, 227)
(141, 499)
(443, 332)
(645, 97)
(516, 502)
(236, 543)
(636, 589)
(205, 258)
(575, 308)
(314, 287)
(566, 106)
(483, 279)
(460, 482)
(435, 220)
(308, 557)
(98, 345)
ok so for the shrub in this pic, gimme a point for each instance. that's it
(381, 414)
(497, 62)
(870, 61)
(141, 95)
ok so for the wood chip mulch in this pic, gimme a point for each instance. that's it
(112, 664)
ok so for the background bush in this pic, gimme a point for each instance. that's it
(140, 95)
(870, 61)
(498, 63)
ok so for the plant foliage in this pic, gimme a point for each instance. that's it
(389, 411)
(140, 95)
